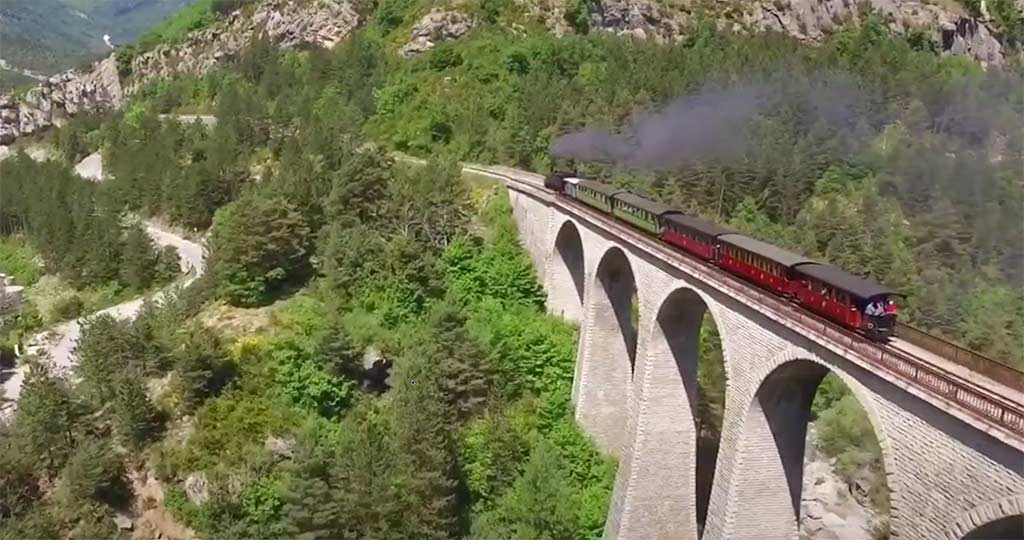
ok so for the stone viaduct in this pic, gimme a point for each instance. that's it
(949, 470)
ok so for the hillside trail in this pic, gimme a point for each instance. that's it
(57, 344)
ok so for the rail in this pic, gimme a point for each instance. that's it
(984, 405)
(974, 361)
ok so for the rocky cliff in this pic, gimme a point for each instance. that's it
(810, 20)
(317, 23)
(323, 23)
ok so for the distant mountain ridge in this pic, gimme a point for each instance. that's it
(49, 36)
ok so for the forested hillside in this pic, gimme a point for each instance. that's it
(396, 376)
(47, 36)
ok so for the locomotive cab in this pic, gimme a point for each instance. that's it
(880, 314)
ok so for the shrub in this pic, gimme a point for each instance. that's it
(68, 307)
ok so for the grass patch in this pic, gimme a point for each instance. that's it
(176, 28)
(20, 260)
(50, 294)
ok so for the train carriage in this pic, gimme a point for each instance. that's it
(692, 234)
(846, 298)
(759, 262)
(596, 194)
(640, 212)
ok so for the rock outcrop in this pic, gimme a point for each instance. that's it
(809, 20)
(319, 23)
(829, 509)
(435, 27)
(324, 23)
(59, 97)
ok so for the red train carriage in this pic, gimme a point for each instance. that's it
(759, 262)
(693, 235)
(852, 301)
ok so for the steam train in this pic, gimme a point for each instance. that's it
(857, 303)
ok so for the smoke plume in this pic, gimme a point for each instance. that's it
(717, 121)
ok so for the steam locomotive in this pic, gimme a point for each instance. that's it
(860, 304)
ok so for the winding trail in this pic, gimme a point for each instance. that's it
(58, 343)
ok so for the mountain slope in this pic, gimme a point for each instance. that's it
(47, 36)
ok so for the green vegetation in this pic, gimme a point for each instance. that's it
(19, 260)
(175, 28)
(410, 384)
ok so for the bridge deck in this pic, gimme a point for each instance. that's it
(964, 372)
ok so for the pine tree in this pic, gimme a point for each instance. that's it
(134, 416)
(196, 362)
(427, 475)
(104, 351)
(464, 376)
(256, 246)
(168, 265)
(541, 505)
(138, 259)
(94, 472)
(46, 419)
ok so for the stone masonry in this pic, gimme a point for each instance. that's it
(945, 475)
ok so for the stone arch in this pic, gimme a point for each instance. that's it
(662, 492)
(997, 520)
(772, 440)
(608, 351)
(566, 273)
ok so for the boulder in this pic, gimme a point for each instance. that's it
(435, 27)
(279, 448)
(197, 488)
(123, 521)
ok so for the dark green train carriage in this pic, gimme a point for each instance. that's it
(640, 212)
(596, 194)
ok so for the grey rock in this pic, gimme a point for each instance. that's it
(809, 20)
(811, 527)
(814, 509)
(123, 522)
(280, 448)
(435, 27)
(197, 488)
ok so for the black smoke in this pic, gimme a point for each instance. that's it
(716, 121)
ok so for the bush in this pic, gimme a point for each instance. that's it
(68, 307)
(19, 260)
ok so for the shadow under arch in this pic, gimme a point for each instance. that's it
(773, 443)
(684, 340)
(999, 520)
(1005, 528)
(608, 352)
(567, 270)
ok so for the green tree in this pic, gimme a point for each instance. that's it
(94, 472)
(46, 419)
(199, 364)
(427, 472)
(136, 420)
(257, 246)
(138, 259)
(541, 505)
(168, 265)
(105, 352)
